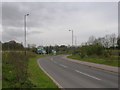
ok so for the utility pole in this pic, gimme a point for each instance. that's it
(25, 20)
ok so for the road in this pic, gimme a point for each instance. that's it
(75, 75)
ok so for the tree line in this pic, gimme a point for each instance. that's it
(12, 45)
(95, 45)
(103, 46)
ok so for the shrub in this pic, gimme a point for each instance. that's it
(14, 68)
(94, 49)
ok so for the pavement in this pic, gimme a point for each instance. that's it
(68, 74)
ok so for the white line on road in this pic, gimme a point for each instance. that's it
(55, 62)
(63, 65)
(87, 75)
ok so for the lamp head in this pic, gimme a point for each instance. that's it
(27, 14)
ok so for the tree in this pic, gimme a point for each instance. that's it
(95, 49)
(32, 47)
(113, 40)
(108, 41)
(12, 45)
(91, 40)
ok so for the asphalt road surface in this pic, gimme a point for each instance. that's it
(75, 75)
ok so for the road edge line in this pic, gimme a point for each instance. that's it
(49, 75)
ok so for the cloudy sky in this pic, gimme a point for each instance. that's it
(49, 22)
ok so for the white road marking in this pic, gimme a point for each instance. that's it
(55, 62)
(87, 75)
(76, 70)
(63, 65)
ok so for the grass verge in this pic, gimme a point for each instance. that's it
(14, 70)
(97, 60)
(37, 76)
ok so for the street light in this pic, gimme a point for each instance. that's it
(25, 19)
(72, 37)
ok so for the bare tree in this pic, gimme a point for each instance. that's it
(108, 40)
(91, 40)
(113, 40)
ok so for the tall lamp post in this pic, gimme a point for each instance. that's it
(25, 20)
(72, 37)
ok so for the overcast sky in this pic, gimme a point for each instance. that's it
(49, 22)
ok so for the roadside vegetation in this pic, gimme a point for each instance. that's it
(0, 66)
(20, 70)
(111, 61)
(103, 50)
(14, 70)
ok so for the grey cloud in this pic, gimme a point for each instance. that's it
(43, 14)
(11, 15)
(34, 32)
(51, 17)
(12, 32)
(119, 19)
(16, 33)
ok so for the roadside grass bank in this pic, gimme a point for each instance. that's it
(113, 61)
(37, 76)
(14, 70)
(22, 71)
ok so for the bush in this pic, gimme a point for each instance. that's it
(89, 50)
(82, 55)
(107, 53)
(14, 70)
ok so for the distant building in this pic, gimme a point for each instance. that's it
(54, 52)
(41, 50)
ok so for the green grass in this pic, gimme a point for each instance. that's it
(0, 74)
(20, 71)
(14, 67)
(37, 76)
(98, 60)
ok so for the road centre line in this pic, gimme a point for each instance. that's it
(63, 65)
(87, 75)
(77, 71)
(53, 60)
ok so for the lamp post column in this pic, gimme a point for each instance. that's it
(25, 19)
